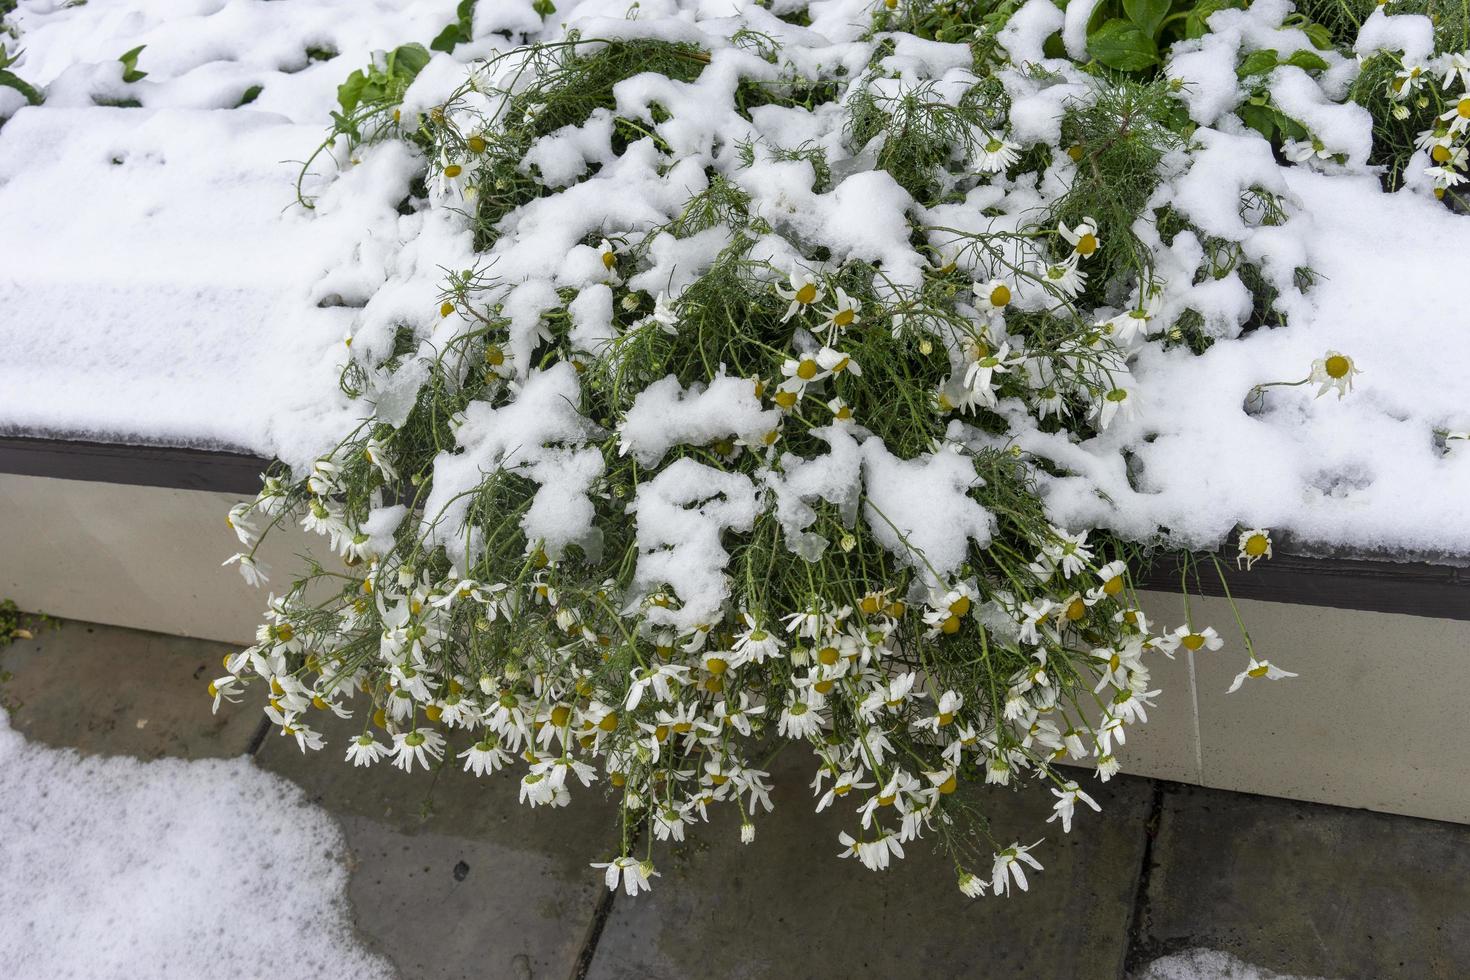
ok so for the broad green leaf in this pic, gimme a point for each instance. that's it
(1259, 118)
(1257, 63)
(1147, 15)
(1320, 36)
(1307, 61)
(1120, 44)
(129, 61)
(9, 79)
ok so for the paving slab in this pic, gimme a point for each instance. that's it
(786, 907)
(451, 876)
(1303, 888)
(109, 691)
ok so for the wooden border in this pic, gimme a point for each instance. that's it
(1412, 588)
(140, 466)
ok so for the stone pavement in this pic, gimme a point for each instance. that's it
(451, 878)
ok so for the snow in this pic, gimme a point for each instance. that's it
(159, 284)
(665, 415)
(1362, 473)
(1208, 964)
(169, 869)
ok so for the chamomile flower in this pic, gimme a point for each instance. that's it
(1132, 325)
(1083, 238)
(1008, 867)
(609, 256)
(1115, 403)
(842, 314)
(755, 643)
(634, 874)
(224, 689)
(972, 886)
(365, 750)
(422, 745)
(1067, 799)
(1259, 668)
(1064, 278)
(253, 572)
(1306, 151)
(1253, 545)
(803, 293)
(239, 521)
(834, 362)
(1458, 115)
(664, 316)
(1206, 639)
(992, 296)
(995, 154)
(1456, 66)
(1333, 370)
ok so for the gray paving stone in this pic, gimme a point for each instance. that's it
(451, 876)
(786, 907)
(110, 691)
(1302, 888)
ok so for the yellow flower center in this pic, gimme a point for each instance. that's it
(807, 294)
(1087, 244)
(786, 399)
(1338, 366)
(1259, 671)
(869, 605)
(1439, 154)
(1113, 585)
(843, 318)
(827, 656)
(1255, 545)
(1193, 641)
(1075, 152)
(1462, 108)
(807, 369)
(716, 666)
(494, 356)
(453, 170)
(949, 785)
(1000, 296)
(560, 715)
(476, 144)
(609, 721)
(433, 712)
(1076, 609)
(950, 626)
(823, 687)
(945, 717)
(609, 259)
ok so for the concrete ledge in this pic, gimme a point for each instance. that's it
(143, 557)
(1368, 724)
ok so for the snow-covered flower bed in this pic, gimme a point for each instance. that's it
(739, 375)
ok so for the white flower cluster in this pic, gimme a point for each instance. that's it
(672, 469)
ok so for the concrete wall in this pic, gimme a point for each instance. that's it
(143, 557)
(1373, 721)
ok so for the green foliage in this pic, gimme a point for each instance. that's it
(1118, 142)
(922, 134)
(380, 84)
(368, 102)
(567, 82)
(9, 79)
(1135, 35)
(129, 61)
(459, 32)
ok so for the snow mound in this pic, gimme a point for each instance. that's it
(119, 868)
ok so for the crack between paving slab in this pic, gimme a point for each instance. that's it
(258, 739)
(594, 933)
(1138, 920)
